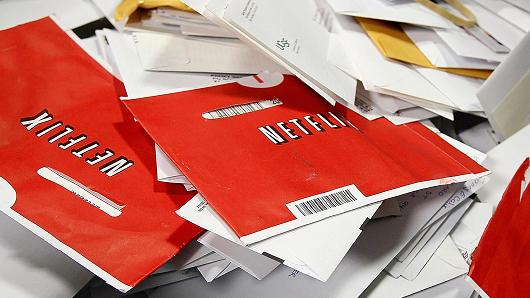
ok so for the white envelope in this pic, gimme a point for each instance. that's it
(361, 265)
(480, 136)
(510, 13)
(398, 266)
(213, 270)
(454, 288)
(396, 11)
(362, 108)
(440, 224)
(407, 112)
(438, 53)
(70, 13)
(170, 52)
(105, 53)
(469, 230)
(228, 269)
(209, 258)
(504, 95)
(188, 23)
(140, 83)
(299, 44)
(418, 263)
(446, 264)
(33, 268)
(253, 263)
(502, 160)
(503, 31)
(191, 253)
(524, 4)
(460, 90)
(167, 172)
(297, 248)
(382, 75)
(466, 45)
(409, 115)
(383, 102)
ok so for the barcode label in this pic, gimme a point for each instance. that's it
(325, 202)
(236, 110)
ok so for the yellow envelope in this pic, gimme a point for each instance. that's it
(394, 43)
(127, 7)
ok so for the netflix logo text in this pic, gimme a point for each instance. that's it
(79, 146)
(294, 129)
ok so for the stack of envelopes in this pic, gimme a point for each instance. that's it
(235, 144)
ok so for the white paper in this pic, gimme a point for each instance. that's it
(524, 4)
(481, 136)
(165, 52)
(409, 115)
(397, 267)
(466, 45)
(424, 255)
(469, 230)
(446, 264)
(460, 90)
(396, 11)
(438, 53)
(166, 171)
(141, 83)
(503, 161)
(212, 270)
(501, 30)
(298, 248)
(504, 95)
(364, 261)
(510, 13)
(383, 102)
(253, 263)
(382, 75)
(211, 257)
(187, 23)
(105, 53)
(190, 253)
(300, 43)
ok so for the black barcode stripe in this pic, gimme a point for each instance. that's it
(325, 202)
(236, 110)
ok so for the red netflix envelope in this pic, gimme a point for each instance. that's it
(273, 158)
(75, 168)
(501, 261)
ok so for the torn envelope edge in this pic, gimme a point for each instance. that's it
(200, 213)
(8, 199)
(290, 225)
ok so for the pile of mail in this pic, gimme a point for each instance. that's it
(237, 148)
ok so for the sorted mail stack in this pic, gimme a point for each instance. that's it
(256, 148)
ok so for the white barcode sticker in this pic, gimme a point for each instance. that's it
(320, 203)
(236, 110)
